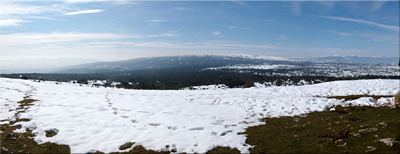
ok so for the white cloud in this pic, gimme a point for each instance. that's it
(156, 20)
(219, 48)
(83, 12)
(296, 7)
(56, 37)
(339, 33)
(217, 33)
(377, 5)
(45, 18)
(388, 27)
(209, 45)
(71, 1)
(233, 27)
(11, 22)
(247, 46)
(12, 14)
(192, 33)
(168, 34)
(182, 9)
(241, 3)
(328, 5)
(392, 38)
(7, 9)
(283, 37)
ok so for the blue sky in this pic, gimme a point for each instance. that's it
(119, 30)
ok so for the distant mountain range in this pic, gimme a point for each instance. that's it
(205, 61)
(195, 62)
(187, 62)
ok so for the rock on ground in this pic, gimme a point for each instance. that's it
(389, 141)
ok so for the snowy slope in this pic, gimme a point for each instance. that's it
(103, 119)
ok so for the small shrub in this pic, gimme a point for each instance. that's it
(353, 119)
(341, 111)
(248, 84)
(83, 81)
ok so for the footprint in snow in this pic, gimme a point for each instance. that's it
(134, 121)
(172, 127)
(154, 124)
(197, 128)
(226, 132)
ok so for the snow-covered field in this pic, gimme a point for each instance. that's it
(90, 119)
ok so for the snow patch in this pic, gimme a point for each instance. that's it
(103, 119)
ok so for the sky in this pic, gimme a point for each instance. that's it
(120, 30)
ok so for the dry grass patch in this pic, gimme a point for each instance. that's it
(23, 142)
(328, 132)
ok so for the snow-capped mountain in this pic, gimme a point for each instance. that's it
(352, 59)
(196, 61)
(333, 66)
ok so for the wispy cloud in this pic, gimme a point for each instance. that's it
(233, 27)
(296, 7)
(192, 33)
(339, 33)
(392, 38)
(182, 9)
(328, 5)
(7, 9)
(388, 27)
(11, 22)
(217, 33)
(13, 14)
(156, 20)
(56, 37)
(168, 34)
(83, 12)
(45, 18)
(231, 46)
(89, 1)
(246, 28)
(283, 37)
(240, 3)
(208, 45)
(377, 5)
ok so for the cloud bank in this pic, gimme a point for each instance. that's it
(83, 12)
